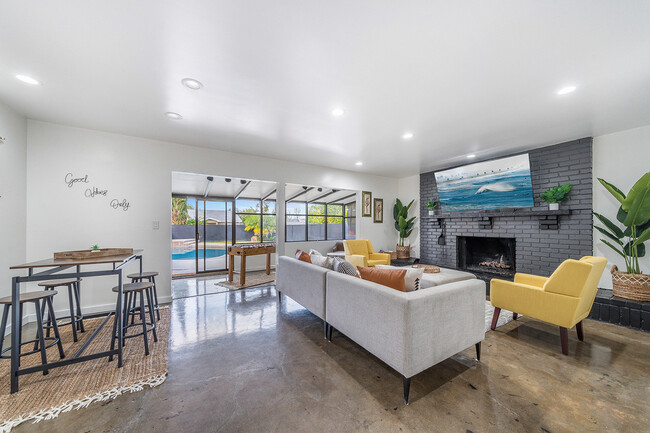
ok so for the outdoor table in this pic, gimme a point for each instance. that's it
(119, 262)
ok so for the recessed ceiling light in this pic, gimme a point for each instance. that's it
(174, 116)
(338, 112)
(358, 163)
(471, 155)
(191, 83)
(565, 90)
(28, 80)
(407, 135)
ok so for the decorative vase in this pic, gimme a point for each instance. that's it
(403, 252)
(553, 206)
(631, 286)
(431, 213)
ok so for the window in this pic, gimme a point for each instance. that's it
(350, 221)
(258, 221)
(318, 222)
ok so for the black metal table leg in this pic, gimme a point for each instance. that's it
(120, 325)
(15, 339)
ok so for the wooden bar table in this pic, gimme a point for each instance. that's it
(248, 250)
(55, 266)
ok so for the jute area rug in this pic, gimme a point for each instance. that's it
(252, 279)
(78, 385)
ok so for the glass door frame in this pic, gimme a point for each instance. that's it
(230, 218)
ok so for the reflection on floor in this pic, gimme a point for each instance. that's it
(242, 362)
(197, 286)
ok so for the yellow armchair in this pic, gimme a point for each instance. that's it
(563, 299)
(360, 253)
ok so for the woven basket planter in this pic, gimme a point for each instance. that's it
(631, 286)
(403, 252)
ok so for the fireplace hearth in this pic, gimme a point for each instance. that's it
(487, 257)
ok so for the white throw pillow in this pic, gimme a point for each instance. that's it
(412, 278)
(318, 259)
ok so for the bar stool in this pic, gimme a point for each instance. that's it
(151, 277)
(74, 295)
(131, 292)
(36, 297)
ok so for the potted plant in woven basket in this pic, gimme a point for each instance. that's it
(404, 226)
(629, 243)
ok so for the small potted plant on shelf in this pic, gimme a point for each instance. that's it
(432, 206)
(629, 243)
(555, 196)
(404, 226)
(94, 248)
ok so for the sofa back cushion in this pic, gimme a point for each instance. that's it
(393, 278)
(303, 256)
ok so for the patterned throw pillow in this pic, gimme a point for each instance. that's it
(412, 279)
(344, 267)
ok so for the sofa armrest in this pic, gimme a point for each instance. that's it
(357, 260)
(410, 331)
(303, 282)
(530, 280)
(380, 256)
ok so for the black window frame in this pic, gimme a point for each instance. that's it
(306, 215)
(261, 214)
(346, 220)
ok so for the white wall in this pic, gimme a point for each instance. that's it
(620, 158)
(408, 188)
(12, 194)
(139, 170)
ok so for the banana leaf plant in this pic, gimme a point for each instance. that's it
(403, 225)
(634, 215)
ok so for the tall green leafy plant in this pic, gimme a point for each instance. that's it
(403, 225)
(634, 214)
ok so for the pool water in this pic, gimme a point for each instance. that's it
(191, 254)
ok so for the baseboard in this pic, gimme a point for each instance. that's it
(105, 308)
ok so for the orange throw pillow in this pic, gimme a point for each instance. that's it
(301, 255)
(393, 278)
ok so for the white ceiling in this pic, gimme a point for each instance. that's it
(196, 184)
(466, 77)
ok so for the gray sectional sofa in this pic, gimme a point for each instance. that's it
(409, 331)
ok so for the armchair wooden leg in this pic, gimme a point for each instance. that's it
(407, 389)
(564, 338)
(514, 316)
(581, 335)
(495, 318)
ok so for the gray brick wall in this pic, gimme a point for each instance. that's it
(537, 251)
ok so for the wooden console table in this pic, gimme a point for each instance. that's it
(248, 250)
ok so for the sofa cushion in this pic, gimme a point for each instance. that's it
(344, 267)
(303, 256)
(318, 259)
(393, 278)
(412, 279)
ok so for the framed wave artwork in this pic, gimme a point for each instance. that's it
(495, 184)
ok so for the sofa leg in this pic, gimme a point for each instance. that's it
(325, 329)
(407, 389)
(478, 351)
(495, 318)
(279, 296)
(564, 338)
(329, 332)
(514, 316)
(581, 335)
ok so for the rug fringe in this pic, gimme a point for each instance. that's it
(54, 412)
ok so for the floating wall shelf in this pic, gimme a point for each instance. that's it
(548, 219)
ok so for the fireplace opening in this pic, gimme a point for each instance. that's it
(493, 256)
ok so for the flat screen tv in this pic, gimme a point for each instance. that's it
(496, 184)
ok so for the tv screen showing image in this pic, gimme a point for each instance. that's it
(497, 184)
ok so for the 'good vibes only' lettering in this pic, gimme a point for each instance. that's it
(70, 180)
(116, 204)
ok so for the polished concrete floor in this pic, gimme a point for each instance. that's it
(241, 362)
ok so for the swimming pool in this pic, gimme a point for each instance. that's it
(208, 253)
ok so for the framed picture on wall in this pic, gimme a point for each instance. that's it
(366, 204)
(379, 210)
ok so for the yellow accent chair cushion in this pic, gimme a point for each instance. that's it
(563, 299)
(360, 252)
